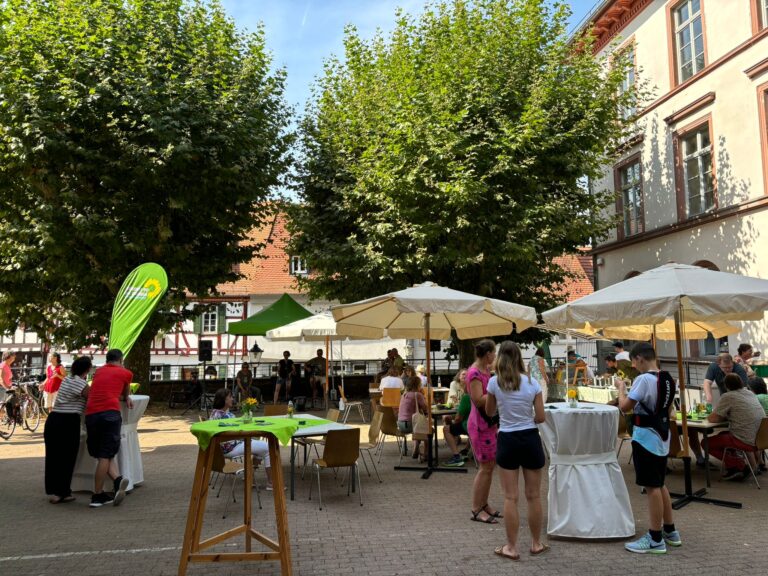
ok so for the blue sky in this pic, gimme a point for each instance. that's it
(302, 33)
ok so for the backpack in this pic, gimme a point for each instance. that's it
(658, 418)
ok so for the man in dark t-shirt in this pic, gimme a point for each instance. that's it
(717, 371)
(285, 371)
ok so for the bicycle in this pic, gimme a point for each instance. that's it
(21, 408)
(7, 421)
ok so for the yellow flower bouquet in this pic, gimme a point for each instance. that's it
(247, 407)
(573, 397)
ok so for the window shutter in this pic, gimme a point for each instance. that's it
(166, 372)
(221, 321)
(198, 324)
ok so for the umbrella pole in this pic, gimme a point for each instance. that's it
(325, 386)
(341, 357)
(689, 495)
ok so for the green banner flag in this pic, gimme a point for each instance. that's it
(137, 299)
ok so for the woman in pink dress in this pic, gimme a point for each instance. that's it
(55, 376)
(482, 432)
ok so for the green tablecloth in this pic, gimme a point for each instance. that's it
(282, 428)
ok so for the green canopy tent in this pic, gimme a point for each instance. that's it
(284, 311)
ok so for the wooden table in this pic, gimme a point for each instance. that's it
(706, 428)
(192, 547)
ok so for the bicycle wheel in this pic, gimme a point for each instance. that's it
(7, 423)
(31, 414)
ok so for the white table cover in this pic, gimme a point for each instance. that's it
(587, 494)
(129, 456)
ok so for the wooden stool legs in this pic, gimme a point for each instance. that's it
(190, 551)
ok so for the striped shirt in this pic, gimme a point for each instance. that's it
(70, 399)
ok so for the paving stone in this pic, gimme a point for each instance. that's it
(406, 526)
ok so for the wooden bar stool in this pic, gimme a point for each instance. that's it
(192, 547)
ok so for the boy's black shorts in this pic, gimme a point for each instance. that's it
(650, 469)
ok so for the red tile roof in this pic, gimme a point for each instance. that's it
(581, 266)
(269, 272)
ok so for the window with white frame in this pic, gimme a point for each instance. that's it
(628, 83)
(210, 321)
(155, 373)
(696, 150)
(298, 266)
(763, 7)
(689, 39)
(632, 198)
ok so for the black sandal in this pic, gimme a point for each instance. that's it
(496, 514)
(490, 520)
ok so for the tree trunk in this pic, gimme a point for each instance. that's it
(139, 358)
(466, 352)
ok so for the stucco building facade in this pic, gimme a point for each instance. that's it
(691, 184)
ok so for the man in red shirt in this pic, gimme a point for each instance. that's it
(111, 383)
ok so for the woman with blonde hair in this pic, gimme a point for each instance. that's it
(520, 405)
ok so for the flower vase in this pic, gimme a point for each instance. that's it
(247, 417)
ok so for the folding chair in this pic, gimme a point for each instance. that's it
(389, 428)
(761, 443)
(342, 450)
(349, 404)
(275, 409)
(374, 439)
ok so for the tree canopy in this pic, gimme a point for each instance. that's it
(130, 131)
(455, 149)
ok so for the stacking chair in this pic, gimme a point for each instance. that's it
(308, 442)
(374, 439)
(390, 398)
(342, 450)
(226, 467)
(761, 443)
(349, 404)
(389, 428)
(275, 409)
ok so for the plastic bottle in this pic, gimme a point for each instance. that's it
(439, 383)
(290, 409)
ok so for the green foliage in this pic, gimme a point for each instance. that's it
(130, 131)
(456, 150)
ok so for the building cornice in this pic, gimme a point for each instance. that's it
(707, 218)
(613, 18)
(690, 109)
(754, 71)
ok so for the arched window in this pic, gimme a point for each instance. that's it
(706, 264)
(631, 274)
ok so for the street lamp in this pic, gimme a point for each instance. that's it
(256, 353)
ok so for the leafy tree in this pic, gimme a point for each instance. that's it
(455, 150)
(130, 131)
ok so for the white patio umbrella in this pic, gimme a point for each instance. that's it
(431, 311)
(673, 292)
(318, 328)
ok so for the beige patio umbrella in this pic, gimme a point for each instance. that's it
(674, 293)
(318, 328)
(695, 330)
(431, 311)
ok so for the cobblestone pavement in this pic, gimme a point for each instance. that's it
(406, 526)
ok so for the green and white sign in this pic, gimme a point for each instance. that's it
(137, 299)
